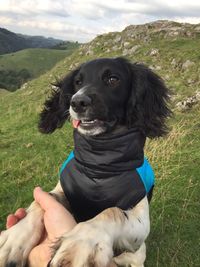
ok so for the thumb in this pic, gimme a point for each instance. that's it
(45, 200)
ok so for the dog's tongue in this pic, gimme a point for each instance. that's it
(76, 123)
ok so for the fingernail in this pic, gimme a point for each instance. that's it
(38, 188)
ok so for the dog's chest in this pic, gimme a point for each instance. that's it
(90, 191)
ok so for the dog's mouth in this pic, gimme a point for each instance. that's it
(87, 124)
(93, 127)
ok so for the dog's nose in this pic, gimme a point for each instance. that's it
(80, 103)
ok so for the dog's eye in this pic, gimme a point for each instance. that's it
(78, 82)
(113, 80)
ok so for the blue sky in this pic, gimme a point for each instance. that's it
(82, 20)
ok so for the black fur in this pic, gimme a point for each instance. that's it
(147, 106)
(142, 102)
(12, 264)
(55, 111)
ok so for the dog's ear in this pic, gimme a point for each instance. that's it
(148, 102)
(56, 108)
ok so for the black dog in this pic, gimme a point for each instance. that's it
(109, 93)
(114, 105)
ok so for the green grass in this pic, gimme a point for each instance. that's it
(36, 60)
(29, 158)
(33, 61)
(174, 239)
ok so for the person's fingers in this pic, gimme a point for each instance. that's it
(45, 200)
(11, 220)
(20, 213)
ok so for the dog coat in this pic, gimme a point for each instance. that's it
(105, 172)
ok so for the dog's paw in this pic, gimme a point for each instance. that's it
(11, 249)
(86, 245)
(132, 259)
(16, 243)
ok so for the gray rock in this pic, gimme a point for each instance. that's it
(189, 102)
(126, 44)
(167, 77)
(154, 52)
(131, 50)
(115, 48)
(173, 62)
(117, 39)
(187, 64)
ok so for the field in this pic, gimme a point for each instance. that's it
(19, 67)
(29, 158)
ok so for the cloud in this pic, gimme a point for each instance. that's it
(95, 9)
(83, 20)
(34, 7)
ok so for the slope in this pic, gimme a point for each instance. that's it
(16, 68)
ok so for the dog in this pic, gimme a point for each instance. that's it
(106, 182)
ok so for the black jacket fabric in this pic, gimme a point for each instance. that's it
(102, 172)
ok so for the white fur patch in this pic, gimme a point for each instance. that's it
(17, 242)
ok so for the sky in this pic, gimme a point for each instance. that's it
(77, 20)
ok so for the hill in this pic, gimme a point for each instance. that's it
(29, 158)
(19, 67)
(12, 42)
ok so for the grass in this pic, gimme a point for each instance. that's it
(29, 158)
(30, 62)
(36, 60)
(174, 239)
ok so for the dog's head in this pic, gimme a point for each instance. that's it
(107, 93)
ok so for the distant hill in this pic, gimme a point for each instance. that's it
(66, 45)
(19, 67)
(12, 42)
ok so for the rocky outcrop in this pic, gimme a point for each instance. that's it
(189, 102)
(133, 37)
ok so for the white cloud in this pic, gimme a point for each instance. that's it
(83, 20)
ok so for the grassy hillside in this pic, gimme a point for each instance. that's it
(16, 68)
(29, 158)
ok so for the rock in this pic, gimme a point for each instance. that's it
(158, 67)
(117, 39)
(126, 44)
(189, 102)
(174, 63)
(135, 48)
(89, 53)
(73, 66)
(187, 64)
(54, 87)
(190, 81)
(154, 52)
(197, 28)
(131, 50)
(125, 52)
(105, 43)
(29, 145)
(115, 48)
(198, 95)
(24, 86)
(167, 77)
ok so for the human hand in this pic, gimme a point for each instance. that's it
(57, 221)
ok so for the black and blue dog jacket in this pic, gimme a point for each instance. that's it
(104, 172)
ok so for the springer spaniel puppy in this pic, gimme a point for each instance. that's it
(106, 181)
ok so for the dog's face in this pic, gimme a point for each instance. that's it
(101, 90)
(106, 93)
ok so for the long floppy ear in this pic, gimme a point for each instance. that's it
(148, 102)
(56, 108)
